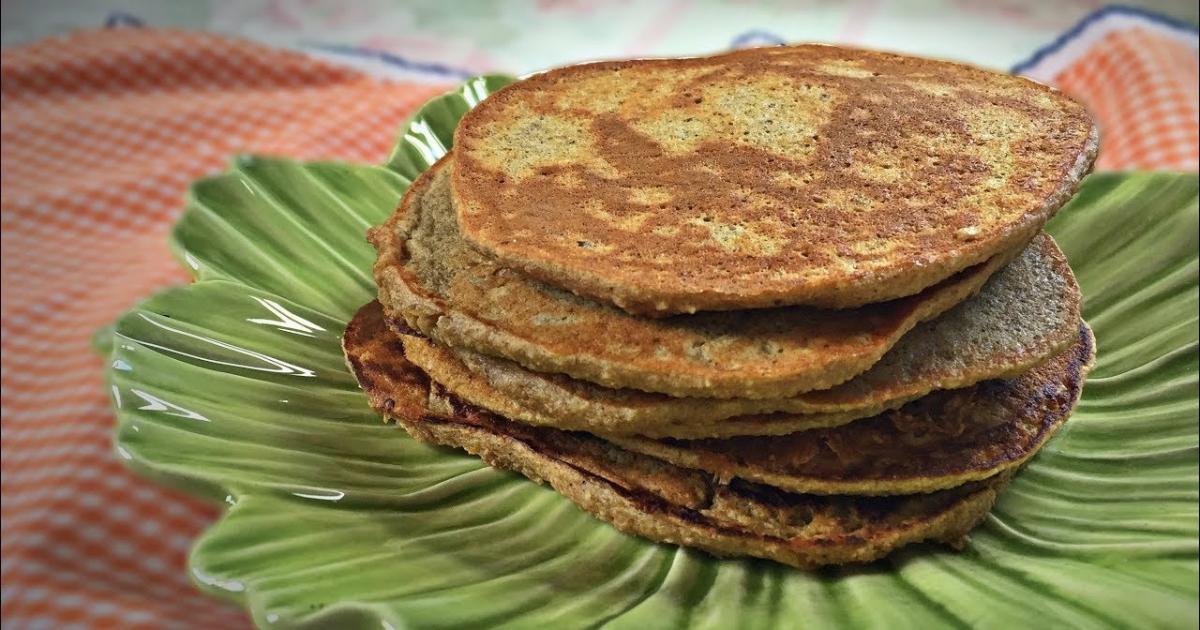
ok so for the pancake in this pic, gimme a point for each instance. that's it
(811, 174)
(431, 279)
(940, 441)
(648, 497)
(1027, 313)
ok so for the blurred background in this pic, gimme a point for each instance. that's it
(526, 35)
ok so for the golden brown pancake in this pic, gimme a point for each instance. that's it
(648, 497)
(807, 174)
(428, 277)
(1027, 313)
(941, 441)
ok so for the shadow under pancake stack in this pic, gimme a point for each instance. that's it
(792, 303)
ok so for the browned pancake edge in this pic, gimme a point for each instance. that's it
(807, 174)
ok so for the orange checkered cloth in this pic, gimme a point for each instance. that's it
(1150, 120)
(1137, 72)
(102, 132)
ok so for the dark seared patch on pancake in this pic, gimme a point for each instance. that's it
(646, 496)
(429, 277)
(391, 383)
(939, 441)
(735, 508)
(649, 481)
(808, 174)
(400, 326)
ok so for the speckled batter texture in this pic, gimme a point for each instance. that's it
(1027, 313)
(645, 496)
(941, 441)
(808, 174)
(429, 278)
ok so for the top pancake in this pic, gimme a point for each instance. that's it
(794, 175)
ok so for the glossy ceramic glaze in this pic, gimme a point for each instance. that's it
(235, 388)
(430, 132)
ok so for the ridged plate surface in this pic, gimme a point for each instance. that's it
(235, 387)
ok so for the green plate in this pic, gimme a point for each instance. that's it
(234, 387)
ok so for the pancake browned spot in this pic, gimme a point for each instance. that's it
(1027, 313)
(428, 277)
(792, 175)
(941, 441)
(649, 497)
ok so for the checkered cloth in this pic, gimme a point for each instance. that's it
(1137, 72)
(103, 131)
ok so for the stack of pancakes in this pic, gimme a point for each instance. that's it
(792, 303)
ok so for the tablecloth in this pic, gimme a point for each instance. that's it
(102, 132)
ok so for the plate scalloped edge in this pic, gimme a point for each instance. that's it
(234, 388)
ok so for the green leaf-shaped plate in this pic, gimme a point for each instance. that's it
(234, 387)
